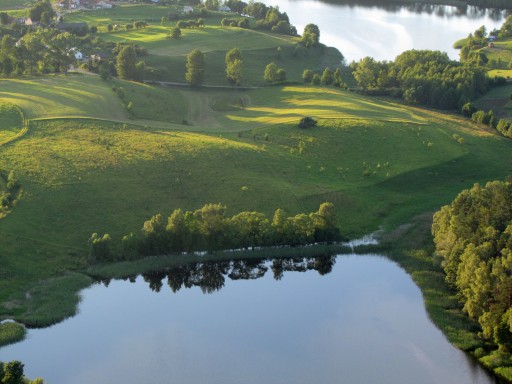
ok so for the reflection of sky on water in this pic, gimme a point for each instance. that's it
(362, 323)
(363, 31)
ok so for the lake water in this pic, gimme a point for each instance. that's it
(362, 322)
(359, 31)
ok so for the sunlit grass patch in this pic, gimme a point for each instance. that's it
(58, 96)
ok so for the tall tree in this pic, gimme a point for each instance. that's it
(195, 67)
(234, 66)
(39, 8)
(270, 75)
(311, 35)
(126, 63)
(366, 73)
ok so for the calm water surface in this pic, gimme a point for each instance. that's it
(362, 323)
(359, 31)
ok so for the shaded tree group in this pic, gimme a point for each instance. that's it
(424, 77)
(210, 229)
(473, 237)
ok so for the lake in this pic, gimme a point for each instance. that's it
(383, 33)
(351, 319)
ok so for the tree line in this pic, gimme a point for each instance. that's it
(473, 238)
(423, 77)
(209, 229)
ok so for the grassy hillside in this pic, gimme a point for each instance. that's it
(380, 162)
(166, 57)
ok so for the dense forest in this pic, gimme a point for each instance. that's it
(473, 237)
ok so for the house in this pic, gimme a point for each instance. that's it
(75, 52)
(103, 5)
(187, 9)
(224, 8)
(24, 21)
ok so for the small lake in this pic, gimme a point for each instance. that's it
(385, 32)
(347, 319)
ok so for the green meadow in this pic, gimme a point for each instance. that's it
(86, 165)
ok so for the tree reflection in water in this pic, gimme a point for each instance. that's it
(210, 276)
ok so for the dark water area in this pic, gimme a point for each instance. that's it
(350, 319)
(369, 28)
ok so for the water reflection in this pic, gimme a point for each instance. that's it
(461, 10)
(210, 276)
(363, 321)
(360, 28)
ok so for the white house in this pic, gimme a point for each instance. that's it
(75, 52)
(187, 9)
(224, 8)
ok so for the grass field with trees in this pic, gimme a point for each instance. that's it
(95, 155)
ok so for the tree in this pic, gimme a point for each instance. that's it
(327, 76)
(175, 33)
(4, 18)
(195, 67)
(234, 66)
(316, 79)
(232, 55)
(307, 76)
(365, 73)
(39, 8)
(338, 80)
(13, 372)
(234, 71)
(126, 63)
(307, 122)
(270, 75)
(281, 75)
(311, 35)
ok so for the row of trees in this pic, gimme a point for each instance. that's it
(237, 22)
(423, 77)
(473, 237)
(503, 126)
(210, 229)
(41, 51)
(328, 77)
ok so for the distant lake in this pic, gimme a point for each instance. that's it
(347, 319)
(384, 32)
